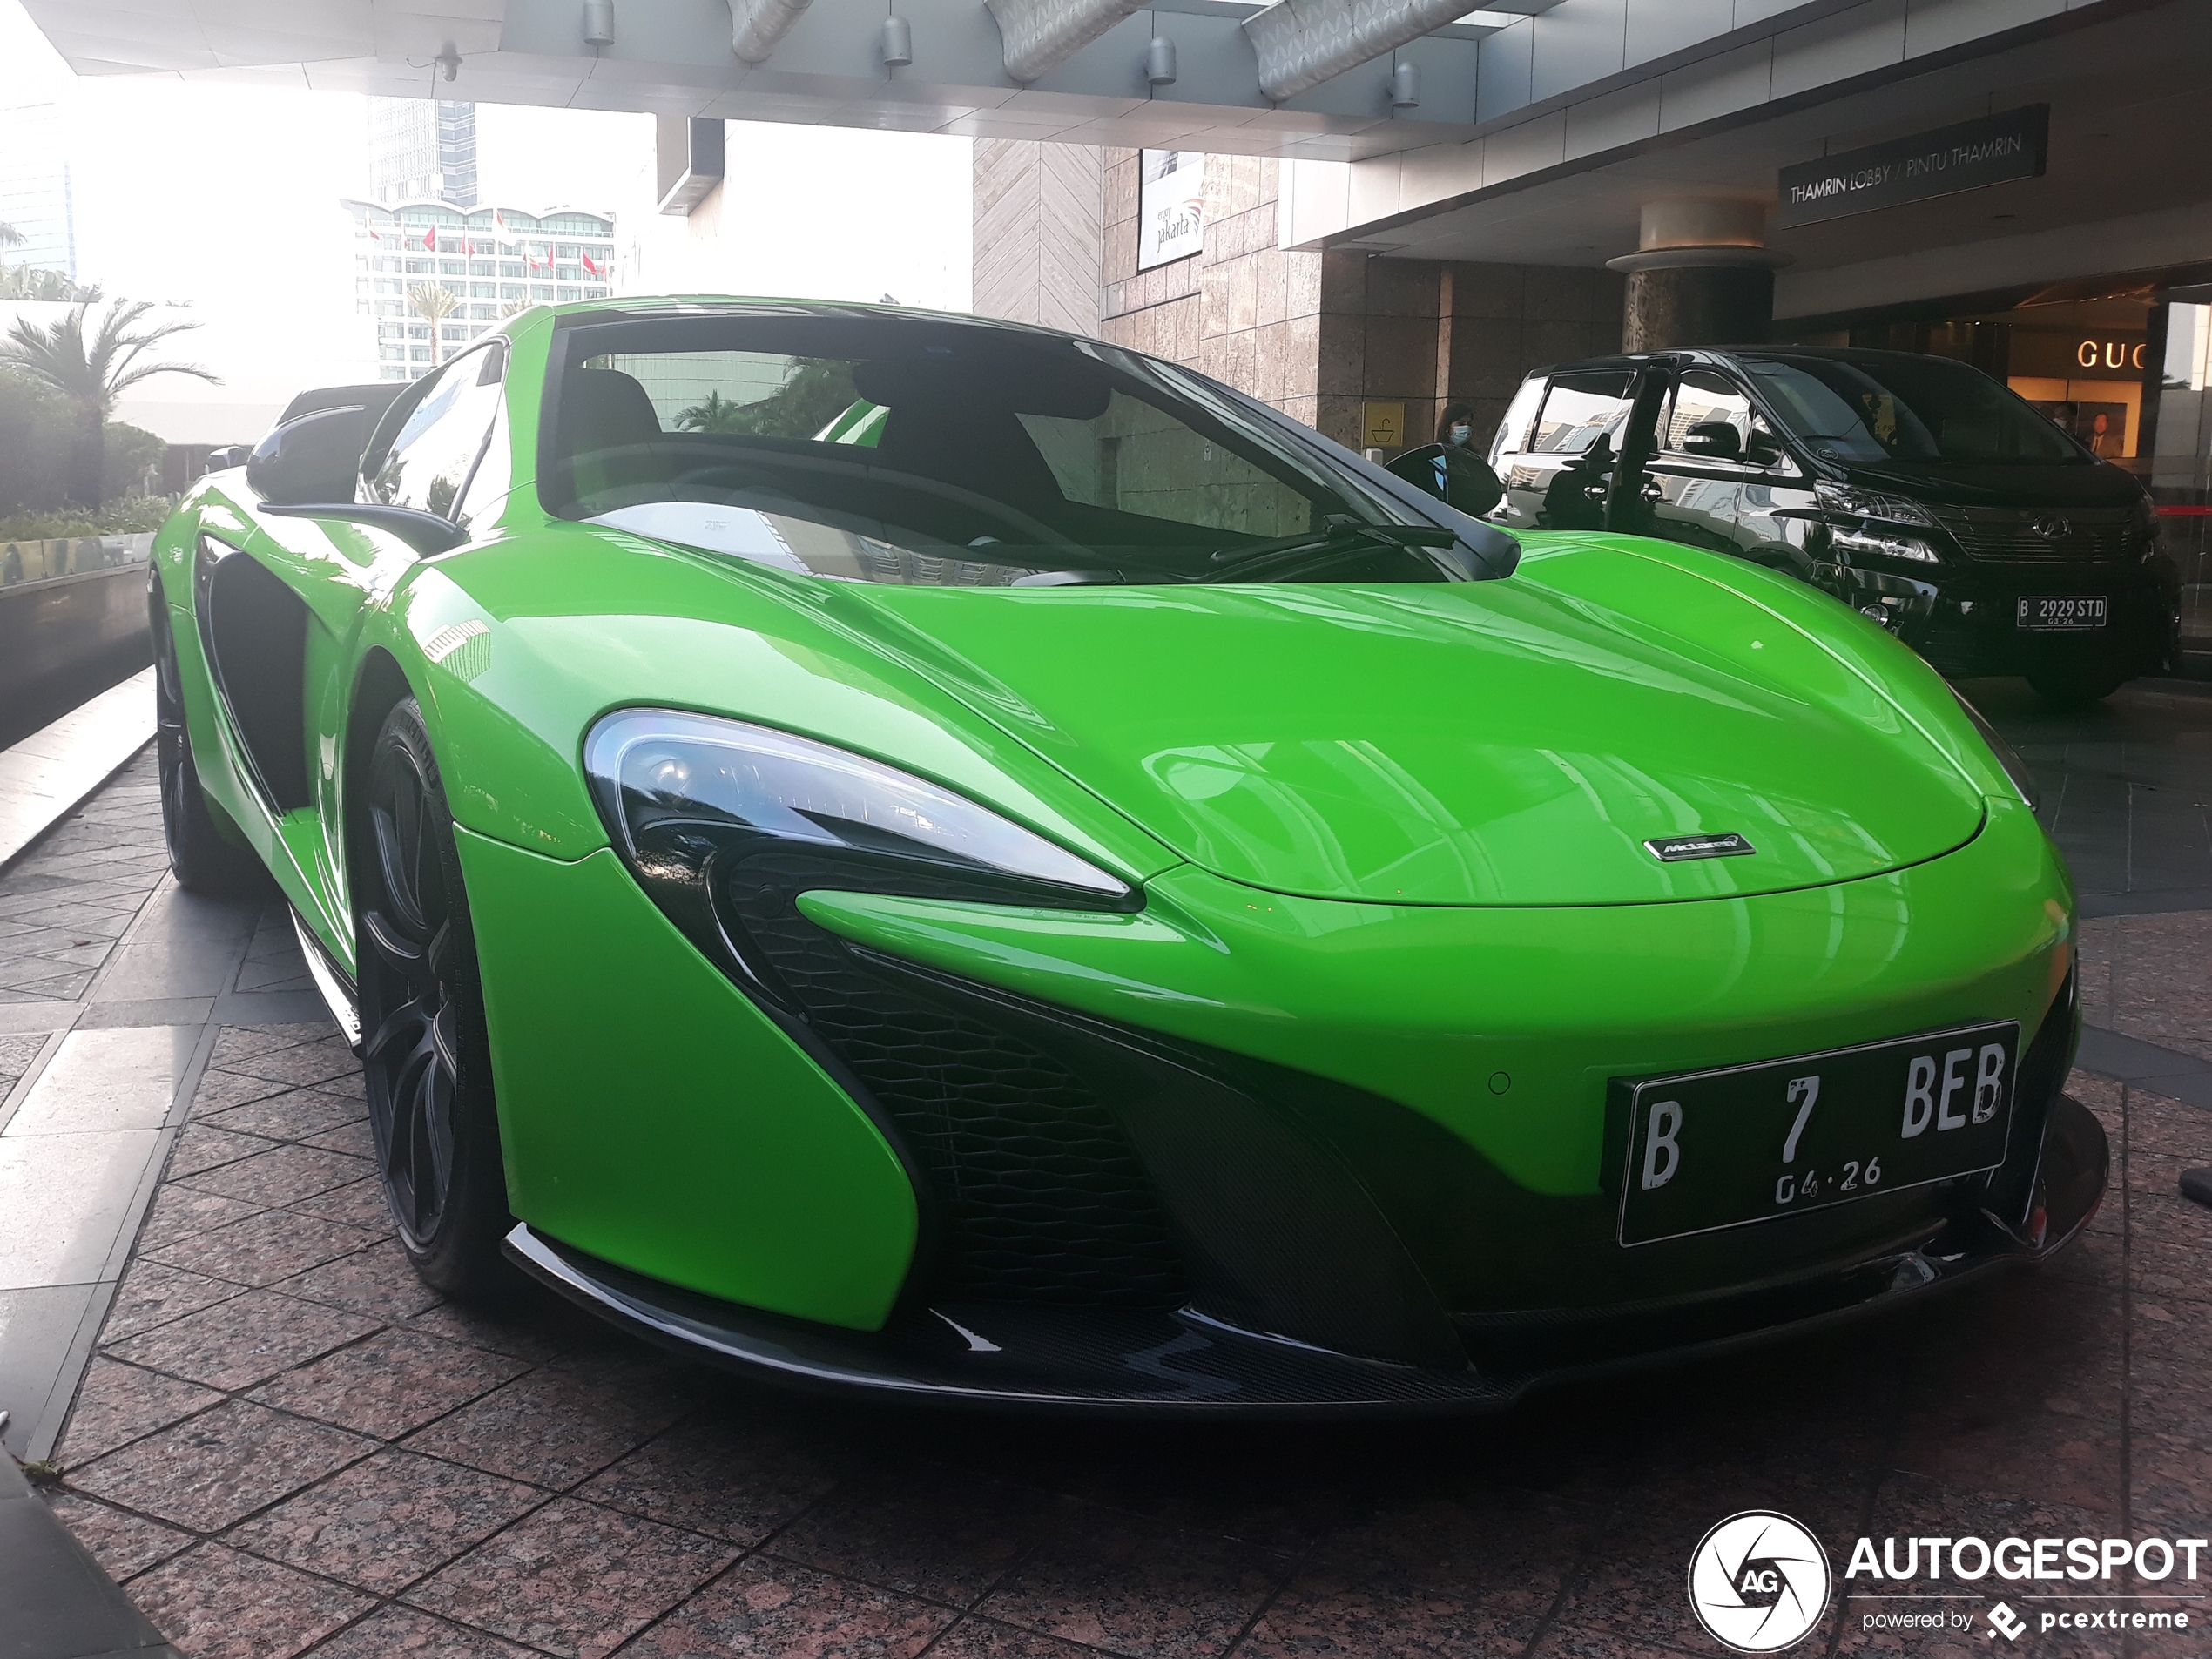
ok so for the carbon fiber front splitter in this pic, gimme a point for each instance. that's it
(1181, 1363)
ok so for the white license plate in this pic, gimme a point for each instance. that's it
(2061, 613)
(1712, 1149)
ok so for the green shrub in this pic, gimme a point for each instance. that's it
(125, 516)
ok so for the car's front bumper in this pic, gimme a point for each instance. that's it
(1966, 618)
(1179, 1361)
(1239, 1149)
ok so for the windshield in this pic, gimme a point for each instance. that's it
(1893, 407)
(925, 451)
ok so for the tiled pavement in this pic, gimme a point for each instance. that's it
(113, 984)
(286, 1443)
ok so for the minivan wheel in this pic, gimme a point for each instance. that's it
(2077, 688)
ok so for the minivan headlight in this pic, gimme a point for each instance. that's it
(2015, 768)
(1884, 546)
(1852, 502)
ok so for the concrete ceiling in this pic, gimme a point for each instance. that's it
(2128, 142)
(674, 57)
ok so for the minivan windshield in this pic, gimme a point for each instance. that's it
(1892, 406)
(914, 450)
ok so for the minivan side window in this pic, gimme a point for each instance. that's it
(1580, 408)
(1702, 398)
(429, 463)
(1512, 431)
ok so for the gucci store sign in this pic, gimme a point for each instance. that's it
(1966, 157)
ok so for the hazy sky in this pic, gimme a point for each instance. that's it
(225, 196)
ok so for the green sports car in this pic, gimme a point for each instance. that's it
(940, 857)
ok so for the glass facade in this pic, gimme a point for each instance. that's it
(35, 192)
(419, 147)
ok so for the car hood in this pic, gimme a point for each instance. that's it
(1948, 485)
(1513, 742)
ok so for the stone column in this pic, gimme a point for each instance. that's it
(1701, 275)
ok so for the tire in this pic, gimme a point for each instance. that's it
(425, 1049)
(206, 852)
(2077, 688)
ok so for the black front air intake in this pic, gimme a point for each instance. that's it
(1066, 1160)
(1039, 1197)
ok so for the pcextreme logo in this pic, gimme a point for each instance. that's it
(1759, 1583)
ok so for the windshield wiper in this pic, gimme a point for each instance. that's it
(1338, 530)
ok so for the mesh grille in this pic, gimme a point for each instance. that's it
(2085, 535)
(1041, 1197)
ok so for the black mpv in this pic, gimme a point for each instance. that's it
(1916, 489)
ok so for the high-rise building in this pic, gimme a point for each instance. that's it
(492, 261)
(35, 188)
(423, 148)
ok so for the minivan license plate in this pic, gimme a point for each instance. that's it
(2060, 613)
(1710, 1150)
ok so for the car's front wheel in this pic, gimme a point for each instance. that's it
(428, 1058)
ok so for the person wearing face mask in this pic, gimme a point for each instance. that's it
(1469, 483)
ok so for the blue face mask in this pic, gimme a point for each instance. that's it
(1462, 433)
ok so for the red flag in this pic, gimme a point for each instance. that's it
(499, 222)
(589, 267)
(430, 239)
(468, 248)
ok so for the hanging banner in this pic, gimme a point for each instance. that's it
(1966, 157)
(1170, 205)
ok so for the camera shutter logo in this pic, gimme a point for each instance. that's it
(1758, 1582)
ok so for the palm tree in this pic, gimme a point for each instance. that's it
(92, 373)
(514, 308)
(433, 304)
(715, 414)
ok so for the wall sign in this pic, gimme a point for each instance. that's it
(1382, 425)
(2109, 353)
(1942, 163)
(2078, 353)
(1170, 205)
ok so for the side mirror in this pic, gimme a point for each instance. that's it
(308, 468)
(1455, 477)
(314, 458)
(1423, 468)
(1716, 438)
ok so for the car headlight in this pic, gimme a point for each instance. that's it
(1868, 503)
(1884, 546)
(2015, 768)
(2144, 521)
(724, 823)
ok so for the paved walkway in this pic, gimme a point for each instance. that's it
(60, 764)
(113, 984)
(286, 1443)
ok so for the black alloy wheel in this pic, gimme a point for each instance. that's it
(427, 1059)
(206, 853)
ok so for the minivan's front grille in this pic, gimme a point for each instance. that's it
(2014, 535)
